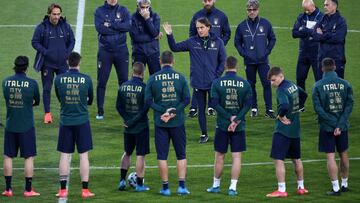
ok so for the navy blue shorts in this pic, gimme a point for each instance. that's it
(328, 142)
(76, 134)
(285, 147)
(140, 140)
(236, 140)
(26, 142)
(162, 142)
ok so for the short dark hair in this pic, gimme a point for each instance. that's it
(328, 64)
(74, 59)
(138, 68)
(335, 2)
(21, 64)
(52, 6)
(204, 21)
(231, 62)
(167, 57)
(274, 71)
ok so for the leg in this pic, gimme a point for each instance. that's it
(299, 172)
(340, 69)
(344, 167)
(8, 176)
(193, 101)
(121, 63)
(333, 171)
(219, 164)
(153, 63)
(84, 167)
(263, 70)
(314, 64)
(29, 172)
(125, 162)
(140, 166)
(104, 60)
(251, 78)
(64, 165)
(280, 170)
(162, 140)
(302, 70)
(236, 165)
(47, 77)
(200, 96)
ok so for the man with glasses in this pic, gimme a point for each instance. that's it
(331, 33)
(308, 48)
(254, 40)
(219, 27)
(145, 34)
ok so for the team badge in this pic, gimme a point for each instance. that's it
(261, 29)
(216, 21)
(99, 64)
(212, 44)
(45, 73)
(118, 15)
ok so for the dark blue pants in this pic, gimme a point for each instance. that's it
(153, 61)
(47, 79)
(106, 59)
(302, 70)
(262, 70)
(194, 104)
(200, 96)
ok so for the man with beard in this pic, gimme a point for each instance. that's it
(219, 27)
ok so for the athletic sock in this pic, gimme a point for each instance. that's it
(85, 184)
(28, 182)
(233, 184)
(165, 185)
(300, 184)
(63, 181)
(335, 185)
(140, 181)
(282, 187)
(182, 183)
(216, 182)
(8, 182)
(344, 182)
(123, 173)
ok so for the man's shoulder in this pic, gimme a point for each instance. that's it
(265, 21)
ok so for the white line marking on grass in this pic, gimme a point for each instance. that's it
(176, 25)
(189, 166)
(79, 25)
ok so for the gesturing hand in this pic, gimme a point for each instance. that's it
(167, 28)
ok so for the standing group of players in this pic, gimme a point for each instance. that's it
(167, 93)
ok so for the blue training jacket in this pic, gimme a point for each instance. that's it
(219, 23)
(207, 58)
(332, 41)
(143, 33)
(255, 50)
(307, 46)
(112, 38)
(53, 44)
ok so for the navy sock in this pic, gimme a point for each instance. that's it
(85, 185)
(139, 181)
(28, 182)
(165, 185)
(182, 183)
(123, 173)
(8, 182)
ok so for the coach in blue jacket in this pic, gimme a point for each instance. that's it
(308, 48)
(207, 58)
(53, 40)
(254, 40)
(112, 21)
(219, 27)
(331, 33)
(145, 33)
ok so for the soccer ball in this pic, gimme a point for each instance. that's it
(132, 179)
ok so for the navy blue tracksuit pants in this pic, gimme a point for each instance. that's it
(262, 70)
(200, 96)
(47, 79)
(194, 104)
(302, 70)
(120, 59)
(153, 61)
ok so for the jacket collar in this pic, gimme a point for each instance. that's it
(331, 74)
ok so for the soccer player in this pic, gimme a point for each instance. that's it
(286, 138)
(131, 106)
(74, 91)
(231, 96)
(333, 102)
(219, 27)
(145, 34)
(53, 41)
(112, 22)
(21, 94)
(254, 40)
(168, 94)
(331, 33)
(308, 48)
(207, 58)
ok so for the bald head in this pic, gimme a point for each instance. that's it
(308, 6)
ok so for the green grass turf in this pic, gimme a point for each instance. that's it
(255, 181)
